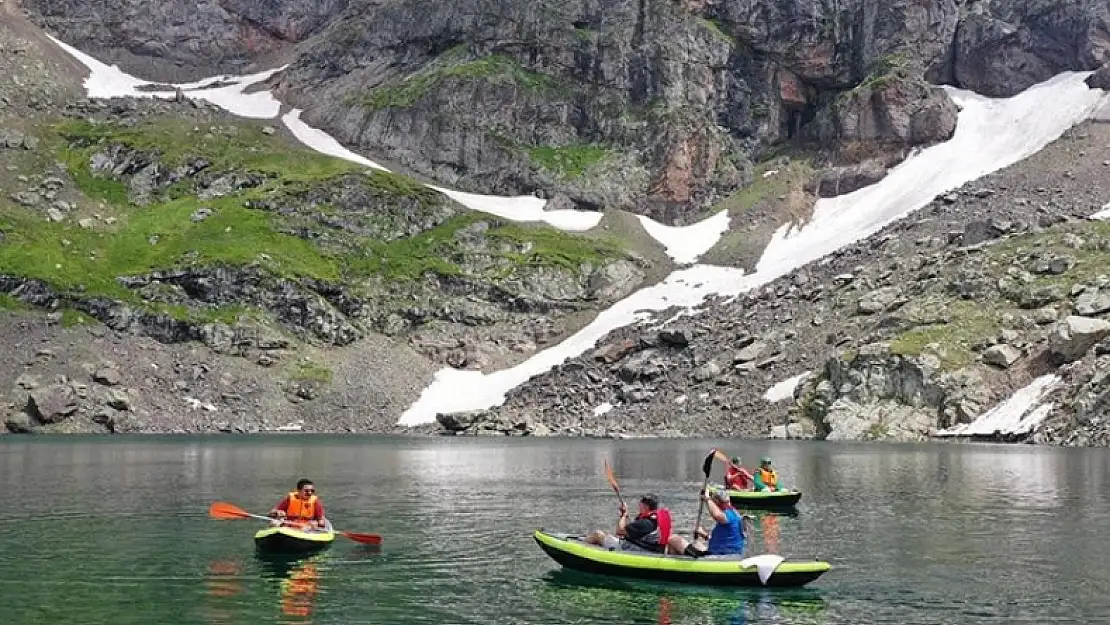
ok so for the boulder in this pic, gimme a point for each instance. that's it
(1075, 336)
(52, 404)
(1001, 355)
(878, 300)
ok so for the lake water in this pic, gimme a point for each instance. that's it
(115, 531)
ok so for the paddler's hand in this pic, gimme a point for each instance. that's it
(623, 509)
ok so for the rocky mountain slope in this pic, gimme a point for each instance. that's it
(176, 222)
(924, 325)
(656, 106)
(208, 273)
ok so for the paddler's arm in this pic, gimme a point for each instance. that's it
(622, 522)
(714, 510)
(281, 508)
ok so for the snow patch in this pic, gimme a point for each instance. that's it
(991, 133)
(525, 208)
(109, 81)
(1102, 214)
(321, 141)
(602, 408)
(785, 389)
(1020, 414)
(684, 244)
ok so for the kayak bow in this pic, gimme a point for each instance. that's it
(286, 539)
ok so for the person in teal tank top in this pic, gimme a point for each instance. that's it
(727, 537)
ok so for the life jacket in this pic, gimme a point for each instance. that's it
(658, 538)
(301, 509)
(737, 479)
(770, 478)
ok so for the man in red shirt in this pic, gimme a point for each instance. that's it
(737, 477)
(301, 507)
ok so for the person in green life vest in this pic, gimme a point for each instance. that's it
(766, 478)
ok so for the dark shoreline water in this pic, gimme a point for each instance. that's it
(114, 530)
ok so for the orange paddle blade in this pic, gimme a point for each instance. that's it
(720, 455)
(609, 476)
(226, 511)
(366, 539)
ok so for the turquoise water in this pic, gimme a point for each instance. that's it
(115, 530)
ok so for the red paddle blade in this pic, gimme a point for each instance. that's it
(366, 539)
(226, 511)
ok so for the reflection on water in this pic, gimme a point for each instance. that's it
(662, 603)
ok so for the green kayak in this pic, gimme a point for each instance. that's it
(764, 570)
(292, 540)
(758, 500)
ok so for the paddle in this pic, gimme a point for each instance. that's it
(613, 481)
(706, 468)
(228, 512)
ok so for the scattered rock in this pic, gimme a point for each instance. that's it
(52, 404)
(119, 399)
(879, 300)
(108, 376)
(1075, 336)
(1001, 355)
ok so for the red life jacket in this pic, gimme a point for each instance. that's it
(738, 479)
(662, 518)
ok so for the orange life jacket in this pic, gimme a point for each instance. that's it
(769, 477)
(301, 509)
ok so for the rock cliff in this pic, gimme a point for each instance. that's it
(657, 106)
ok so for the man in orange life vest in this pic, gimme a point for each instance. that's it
(301, 506)
(650, 531)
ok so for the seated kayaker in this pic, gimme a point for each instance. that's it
(766, 479)
(300, 508)
(648, 532)
(727, 537)
(737, 477)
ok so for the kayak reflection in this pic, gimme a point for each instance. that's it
(223, 580)
(766, 523)
(605, 599)
(298, 580)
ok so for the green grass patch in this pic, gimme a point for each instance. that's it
(1091, 260)
(158, 238)
(889, 67)
(10, 304)
(952, 343)
(496, 69)
(438, 250)
(306, 370)
(568, 161)
(73, 318)
(226, 146)
(718, 30)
